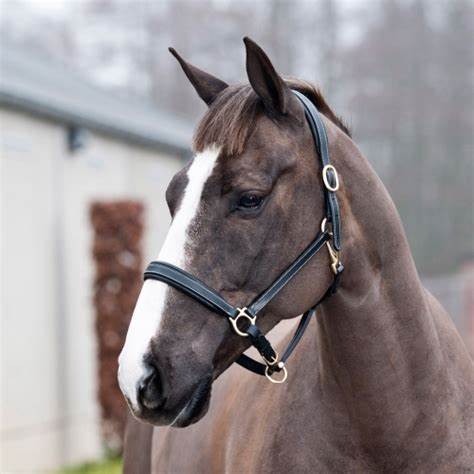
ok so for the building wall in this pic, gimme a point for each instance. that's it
(48, 395)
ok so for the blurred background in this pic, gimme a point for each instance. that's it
(96, 117)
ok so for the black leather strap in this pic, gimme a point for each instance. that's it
(191, 286)
(302, 325)
(251, 364)
(321, 141)
(263, 299)
(261, 343)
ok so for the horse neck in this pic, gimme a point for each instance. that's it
(377, 341)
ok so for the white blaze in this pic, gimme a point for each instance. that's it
(148, 311)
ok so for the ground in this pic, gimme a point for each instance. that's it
(110, 466)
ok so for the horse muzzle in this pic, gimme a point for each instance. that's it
(150, 399)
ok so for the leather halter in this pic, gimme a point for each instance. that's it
(198, 290)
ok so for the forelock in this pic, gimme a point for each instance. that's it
(229, 120)
(232, 116)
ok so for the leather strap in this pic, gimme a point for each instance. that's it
(302, 325)
(321, 141)
(190, 285)
(261, 301)
(262, 344)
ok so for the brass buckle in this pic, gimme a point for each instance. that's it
(326, 179)
(281, 365)
(273, 362)
(323, 225)
(242, 314)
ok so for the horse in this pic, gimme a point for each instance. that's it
(380, 382)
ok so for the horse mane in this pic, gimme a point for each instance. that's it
(231, 117)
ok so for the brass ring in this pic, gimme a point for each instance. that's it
(326, 180)
(323, 224)
(272, 380)
(242, 314)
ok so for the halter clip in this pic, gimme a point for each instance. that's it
(333, 254)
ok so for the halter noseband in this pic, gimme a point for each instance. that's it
(196, 289)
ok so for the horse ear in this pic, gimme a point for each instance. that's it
(206, 85)
(265, 81)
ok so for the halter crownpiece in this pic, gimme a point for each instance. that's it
(243, 320)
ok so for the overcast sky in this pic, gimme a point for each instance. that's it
(57, 7)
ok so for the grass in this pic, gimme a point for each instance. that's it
(110, 466)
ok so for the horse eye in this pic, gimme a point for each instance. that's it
(250, 201)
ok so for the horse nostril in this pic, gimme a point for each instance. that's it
(150, 393)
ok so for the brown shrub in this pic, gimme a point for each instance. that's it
(117, 251)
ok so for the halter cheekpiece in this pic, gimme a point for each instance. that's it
(243, 319)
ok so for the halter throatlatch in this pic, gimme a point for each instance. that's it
(243, 320)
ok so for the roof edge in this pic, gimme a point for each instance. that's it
(68, 118)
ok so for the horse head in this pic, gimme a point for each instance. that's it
(242, 210)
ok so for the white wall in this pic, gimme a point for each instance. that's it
(49, 412)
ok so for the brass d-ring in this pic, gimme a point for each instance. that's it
(323, 224)
(328, 185)
(242, 314)
(272, 380)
